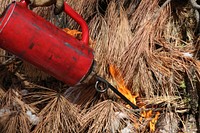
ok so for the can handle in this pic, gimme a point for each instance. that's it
(73, 14)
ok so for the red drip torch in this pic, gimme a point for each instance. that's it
(49, 48)
(42, 44)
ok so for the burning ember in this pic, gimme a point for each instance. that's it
(116, 75)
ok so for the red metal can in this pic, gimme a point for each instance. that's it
(37, 41)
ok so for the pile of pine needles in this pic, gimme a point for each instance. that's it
(153, 44)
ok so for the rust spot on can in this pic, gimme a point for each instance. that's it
(31, 46)
(74, 58)
(50, 57)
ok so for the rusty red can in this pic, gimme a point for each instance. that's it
(37, 41)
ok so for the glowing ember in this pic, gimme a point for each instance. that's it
(121, 85)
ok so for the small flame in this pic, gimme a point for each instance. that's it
(115, 73)
(146, 114)
(121, 85)
(153, 122)
(149, 115)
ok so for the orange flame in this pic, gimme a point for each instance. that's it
(115, 73)
(148, 115)
(121, 85)
(153, 122)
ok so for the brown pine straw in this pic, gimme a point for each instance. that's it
(142, 60)
(113, 36)
(141, 45)
(83, 95)
(148, 46)
(168, 123)
(2, 92)
(58, 115)
(32, 72)
(109, 116)
(14, 118)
